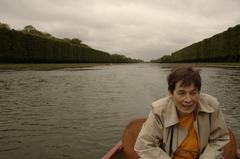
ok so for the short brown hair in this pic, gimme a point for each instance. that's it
(187, 74)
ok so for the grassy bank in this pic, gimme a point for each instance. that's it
(18, 67)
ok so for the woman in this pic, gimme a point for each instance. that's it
(184, 125)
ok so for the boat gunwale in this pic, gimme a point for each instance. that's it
(113, 151)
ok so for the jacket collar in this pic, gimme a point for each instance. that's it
(204, 105)
(171, 117)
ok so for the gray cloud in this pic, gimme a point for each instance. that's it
(136, 28)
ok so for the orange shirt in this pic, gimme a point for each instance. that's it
(189, 148)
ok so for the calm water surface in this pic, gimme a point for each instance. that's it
(72, 113)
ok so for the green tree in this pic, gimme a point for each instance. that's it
(76, 41)
(4, 26)
(29, 28)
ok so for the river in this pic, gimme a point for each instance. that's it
(81, 113)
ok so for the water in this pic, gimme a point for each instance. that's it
(72, 113)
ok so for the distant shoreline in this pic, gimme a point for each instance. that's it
(46, 67)
(211, 64)
(84, 66)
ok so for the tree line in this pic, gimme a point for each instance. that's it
(222, 47)
(33, 46)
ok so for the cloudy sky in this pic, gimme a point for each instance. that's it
(145, 29)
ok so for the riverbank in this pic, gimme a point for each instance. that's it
(219, 65)
(46, 67)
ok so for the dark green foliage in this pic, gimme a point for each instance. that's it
(76, 41)
(223, 47)
(5, 26)
(33, 46)
(166, 58)
(116, 58)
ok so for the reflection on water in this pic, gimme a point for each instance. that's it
(82, 113)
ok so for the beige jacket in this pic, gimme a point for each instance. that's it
(161, 128)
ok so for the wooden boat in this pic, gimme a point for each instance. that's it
(124, 148)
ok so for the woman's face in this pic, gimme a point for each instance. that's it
(185, 98)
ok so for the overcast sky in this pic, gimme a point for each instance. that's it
(145, 29)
